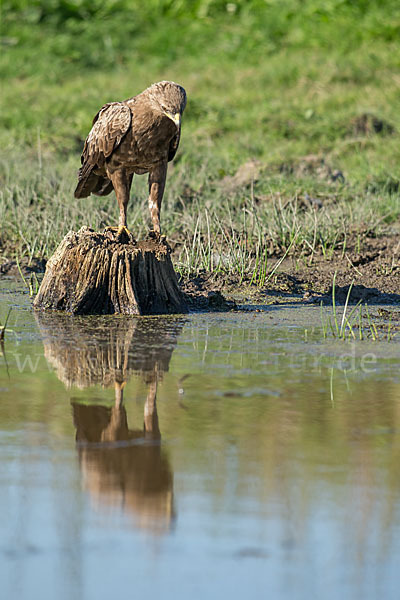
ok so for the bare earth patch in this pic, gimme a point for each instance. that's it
(373, 271)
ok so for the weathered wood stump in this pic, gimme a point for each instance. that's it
(95, 273)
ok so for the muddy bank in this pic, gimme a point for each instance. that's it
(374, 273)
(25, 266)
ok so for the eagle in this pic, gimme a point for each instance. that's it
(139, 135)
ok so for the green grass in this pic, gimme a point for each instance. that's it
(266, 80)
(3, 328)
(356, 322)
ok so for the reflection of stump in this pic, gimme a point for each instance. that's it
(87, 351)
(92, 273)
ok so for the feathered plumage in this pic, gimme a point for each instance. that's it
(139, 135)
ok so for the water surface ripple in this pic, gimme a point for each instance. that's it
(239, 455)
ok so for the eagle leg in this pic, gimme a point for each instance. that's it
(122, 182)
(119, 393)
(157, 177)
(151, 426)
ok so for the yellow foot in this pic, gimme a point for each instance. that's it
(156, 235)
(123, 229)
(121, 233)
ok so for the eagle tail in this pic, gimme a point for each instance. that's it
(90, 183)
(104, 187)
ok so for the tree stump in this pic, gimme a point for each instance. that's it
(95, 273)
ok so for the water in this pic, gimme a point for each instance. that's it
(206, 456)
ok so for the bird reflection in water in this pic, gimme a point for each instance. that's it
(122, 468)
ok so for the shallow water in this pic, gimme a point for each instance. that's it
(234, 454)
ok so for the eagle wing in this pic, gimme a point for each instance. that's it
(173, 145)
(110, 126)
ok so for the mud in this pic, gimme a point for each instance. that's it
(368, 124)
(26, 266)
(373, 272)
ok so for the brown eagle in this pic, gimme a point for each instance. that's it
(138, 135)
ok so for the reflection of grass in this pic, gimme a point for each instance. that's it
(276, 82)
(3, 328)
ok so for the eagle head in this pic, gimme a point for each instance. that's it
(170, 98)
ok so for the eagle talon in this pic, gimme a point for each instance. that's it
(121, 233)
(123, 230)
(157, 237)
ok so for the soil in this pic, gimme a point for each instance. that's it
(369, 124)
(373, 273)
(10, 268)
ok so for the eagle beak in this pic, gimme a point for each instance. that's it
(176, 118)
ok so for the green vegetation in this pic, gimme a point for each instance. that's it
(304, 94)
(3, 330)
(354, 324)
